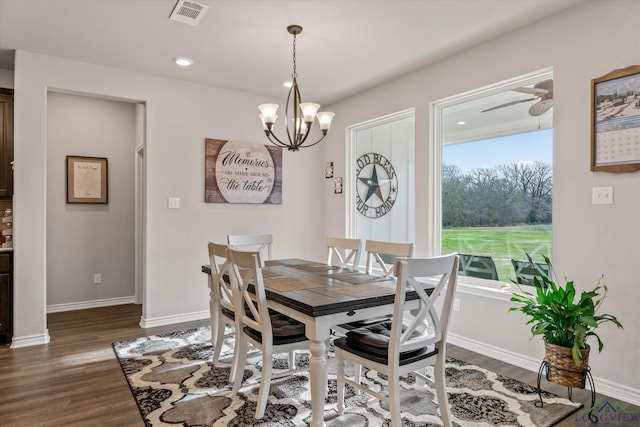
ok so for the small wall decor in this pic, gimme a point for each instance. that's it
(240, 172)
(87, 179)
(615, 121)
(337, 185)
(328, 170)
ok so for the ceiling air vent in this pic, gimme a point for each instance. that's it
(188, 12)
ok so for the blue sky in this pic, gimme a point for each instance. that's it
(492, 152)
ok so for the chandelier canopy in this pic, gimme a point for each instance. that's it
(302, 114)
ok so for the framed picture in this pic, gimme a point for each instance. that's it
(241, 172)
(87, 180)
(615, 121)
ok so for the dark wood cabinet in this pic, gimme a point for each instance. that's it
(6, 297)
(6, 142)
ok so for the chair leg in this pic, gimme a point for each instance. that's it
(357, 369)
(240, 359)
(441, 390)
(219, 340)
(265, 384)
(394, 400)
(340, 377)
(292, 359)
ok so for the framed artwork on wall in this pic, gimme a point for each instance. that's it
(615, 121)
(87, 179)
(241, 172)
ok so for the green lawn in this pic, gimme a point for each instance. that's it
(501, 243)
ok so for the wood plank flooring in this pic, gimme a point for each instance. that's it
(75, 380)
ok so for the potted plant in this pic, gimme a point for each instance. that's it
(566, 321)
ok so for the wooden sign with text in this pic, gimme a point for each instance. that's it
(240, 172)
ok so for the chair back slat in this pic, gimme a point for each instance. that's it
(246, 268)
(344, 252)
(378, 250)
(219, 265)
(254, 242)
(432, 318)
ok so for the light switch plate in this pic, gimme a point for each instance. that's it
(173, 202)
(602, 196)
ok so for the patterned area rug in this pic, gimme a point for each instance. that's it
(174, 383)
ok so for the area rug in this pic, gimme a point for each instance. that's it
(174, 383)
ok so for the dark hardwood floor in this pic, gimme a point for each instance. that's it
(75, 380)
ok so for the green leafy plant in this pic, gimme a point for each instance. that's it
(560, 317)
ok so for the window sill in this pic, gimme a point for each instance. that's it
(501, 291)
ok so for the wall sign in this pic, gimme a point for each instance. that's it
(376, 185)
(239, 172)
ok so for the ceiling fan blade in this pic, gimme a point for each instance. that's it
(508, 104)
(531, 90)
(540, 108)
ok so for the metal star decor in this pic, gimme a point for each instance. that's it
(373, 185)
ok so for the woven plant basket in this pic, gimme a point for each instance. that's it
(562, 368)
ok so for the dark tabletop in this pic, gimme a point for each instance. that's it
(317, 289)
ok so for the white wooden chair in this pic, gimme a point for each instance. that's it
(253, 242)
(271, 332)
(343, 252)
(384, 254)
(402, 345)
(222, 294)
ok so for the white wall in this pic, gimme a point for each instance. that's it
(6, 78)
(580, 44)
(83, 239)
(179, 117)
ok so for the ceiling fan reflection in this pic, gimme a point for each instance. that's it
(543, 93)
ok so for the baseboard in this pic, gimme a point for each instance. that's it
(56, 308)
(28, 341)
(171, 320)
(603, 386)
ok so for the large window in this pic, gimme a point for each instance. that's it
(496, 176)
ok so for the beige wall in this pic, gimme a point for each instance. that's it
(179, 116)
(580, 44)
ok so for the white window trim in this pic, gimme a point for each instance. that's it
(468, 285)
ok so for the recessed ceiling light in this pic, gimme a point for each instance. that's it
(462, 123)
(287, 83)
(182, 61)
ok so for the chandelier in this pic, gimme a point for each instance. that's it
(302, 115)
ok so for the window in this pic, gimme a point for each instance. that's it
(495, 176)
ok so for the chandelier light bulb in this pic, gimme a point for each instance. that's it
(268, 113)
(309, 110)
(324, 118)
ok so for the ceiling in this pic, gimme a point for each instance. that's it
(347, 45)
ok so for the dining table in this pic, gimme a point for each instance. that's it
(322, 296)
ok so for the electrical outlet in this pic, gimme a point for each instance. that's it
(97, 278)
(456, 304)
(173, 203)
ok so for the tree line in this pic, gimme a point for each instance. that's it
(508, 194)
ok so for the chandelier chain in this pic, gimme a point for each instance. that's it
(295, 74)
